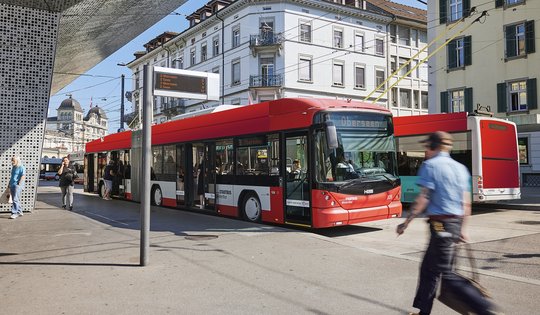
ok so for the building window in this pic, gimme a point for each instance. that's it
(453, 10)
(520, 39)
(457, 101)
(459, 53)
(338, 38)
(235, 65)
(379, 46)
(304, 69)
(393, 33)
(379, 79)
(508, 3)
(404, 69)
(192, 56)
(337, 74)
(424, 100)
(404, 36)
(215, 46)
(236, 37)
(179, 62)
(405, 98)
(516, 96)
(203, 52)
(414, 38)
(523, 147)
(305, 32)
(358, 42)
(359, 76)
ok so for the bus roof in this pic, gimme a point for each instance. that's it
(424, 124)
(286, 113)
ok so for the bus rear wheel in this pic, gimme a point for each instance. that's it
(251, 208)
(157, 196)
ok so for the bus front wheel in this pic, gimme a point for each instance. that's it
(157, 196)
(251, 207)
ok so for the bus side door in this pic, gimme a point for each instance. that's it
(296, 179)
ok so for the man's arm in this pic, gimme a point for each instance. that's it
(419, 206)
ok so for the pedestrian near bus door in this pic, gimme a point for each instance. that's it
(68, 174)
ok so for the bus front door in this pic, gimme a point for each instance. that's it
(204, 176)
(296, 187)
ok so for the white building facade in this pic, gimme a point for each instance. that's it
(493, 63)
(265, 50)
(70, 130)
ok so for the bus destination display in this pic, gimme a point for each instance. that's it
(180, 83)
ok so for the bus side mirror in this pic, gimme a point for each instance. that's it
(331, 135)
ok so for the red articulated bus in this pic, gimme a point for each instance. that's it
(310, 162)
(486, 145)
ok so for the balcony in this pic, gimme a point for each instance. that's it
(265, 42)
(261, 81)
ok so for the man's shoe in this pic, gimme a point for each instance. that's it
(71, 208)
(63, 206)
(14, 216)
(21, 214)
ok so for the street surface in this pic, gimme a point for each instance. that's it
(55, 261)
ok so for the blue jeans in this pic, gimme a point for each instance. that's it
(16, 191)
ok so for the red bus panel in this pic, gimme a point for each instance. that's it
(500, 168)
(425, 124)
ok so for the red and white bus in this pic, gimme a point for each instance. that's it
(486, 145)
(280, 161)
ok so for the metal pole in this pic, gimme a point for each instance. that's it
(146, 153)
(122, 105)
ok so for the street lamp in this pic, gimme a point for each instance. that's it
(122, 99)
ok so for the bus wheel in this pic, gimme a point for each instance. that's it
(251, 208)
(157, 196)
(101, 189)
(56, 177)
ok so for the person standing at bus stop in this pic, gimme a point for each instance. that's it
(445, 198)
(108, 176)
(67, 178)
(16, 186)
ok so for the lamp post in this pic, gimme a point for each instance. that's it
(122, 92)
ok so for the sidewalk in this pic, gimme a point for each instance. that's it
(86, 261)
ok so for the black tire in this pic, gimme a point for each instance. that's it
(251, 207)
(156, 196)
(101, 190)
(56, 177)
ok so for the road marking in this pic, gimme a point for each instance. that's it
(106, 218)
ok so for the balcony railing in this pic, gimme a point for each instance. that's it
(265, 40)
(265, 80)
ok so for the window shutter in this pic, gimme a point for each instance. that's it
(510, 35)
(442, 11)
(501, 98)
(529, 37)
(466, 8)
(468, 100)
(499, 3)
(444, 102)
(452, 62)
(532, 96)
(467, 50)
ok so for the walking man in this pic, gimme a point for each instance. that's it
(67, 177)
(446, 200)
(16, 185)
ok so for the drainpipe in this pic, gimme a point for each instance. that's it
(222, 58)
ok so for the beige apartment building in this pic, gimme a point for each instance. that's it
(493, 63)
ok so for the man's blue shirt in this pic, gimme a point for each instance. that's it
(16, 174)
(447, 180)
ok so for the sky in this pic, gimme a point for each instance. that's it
(93, 88)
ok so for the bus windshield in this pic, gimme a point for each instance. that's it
(365, 152)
